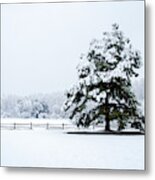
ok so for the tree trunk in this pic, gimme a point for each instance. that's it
(107, 123)
(107, 120)
(37, 115)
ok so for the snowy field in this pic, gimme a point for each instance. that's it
(54, 148)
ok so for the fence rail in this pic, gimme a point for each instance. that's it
(14, 126)
(34, 125)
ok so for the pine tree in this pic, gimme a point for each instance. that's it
(104, 88)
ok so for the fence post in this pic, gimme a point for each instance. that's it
(63, 125)
(14, 126)
(31, 125)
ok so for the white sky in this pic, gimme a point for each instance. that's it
(41, 43)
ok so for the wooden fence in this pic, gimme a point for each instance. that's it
(14, 126)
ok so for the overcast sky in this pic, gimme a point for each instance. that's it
(41, 43)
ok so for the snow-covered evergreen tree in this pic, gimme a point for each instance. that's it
(104, 89)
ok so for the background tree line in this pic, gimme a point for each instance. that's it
(33, 106)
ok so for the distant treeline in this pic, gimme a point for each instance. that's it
(33, 106)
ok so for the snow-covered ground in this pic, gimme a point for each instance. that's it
(54, 148)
